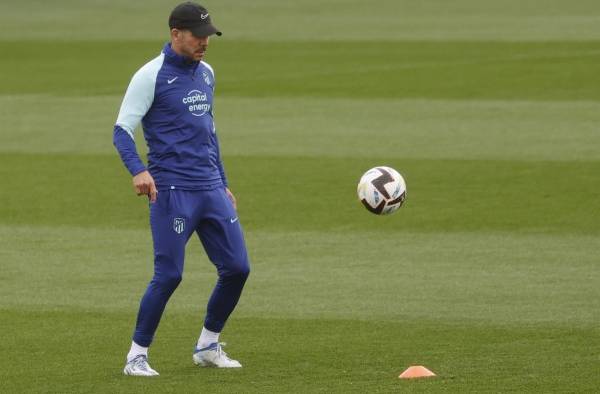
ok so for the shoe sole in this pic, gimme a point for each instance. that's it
(129, 373)
(205, 364)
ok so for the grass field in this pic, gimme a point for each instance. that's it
(489, 275)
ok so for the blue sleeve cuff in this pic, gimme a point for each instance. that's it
(127, 150)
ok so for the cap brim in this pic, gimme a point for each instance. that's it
(205, 30)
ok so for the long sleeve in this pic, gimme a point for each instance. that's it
(136, 103)
(127, 150)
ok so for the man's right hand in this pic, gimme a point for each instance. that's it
(143, 183)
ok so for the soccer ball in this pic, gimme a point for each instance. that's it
(382, 190)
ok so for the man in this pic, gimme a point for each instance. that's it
(172, 96)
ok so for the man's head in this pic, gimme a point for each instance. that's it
(191, 28)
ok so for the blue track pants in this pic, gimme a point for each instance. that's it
(173, 218)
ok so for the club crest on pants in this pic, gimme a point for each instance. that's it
(178, 225)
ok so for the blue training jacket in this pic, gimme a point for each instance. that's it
(173, 98)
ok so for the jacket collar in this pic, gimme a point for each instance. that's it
(177, 60)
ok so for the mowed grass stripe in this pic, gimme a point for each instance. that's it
(452, 277)
(345, 356)
(389, 69)
(307, 193)
(328, 127)
(272, 20)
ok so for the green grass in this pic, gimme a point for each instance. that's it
(346, 355)
(373, 69)
(314, 20)
(430, 129)
(437, 276)
(488, 275)
(453, 195)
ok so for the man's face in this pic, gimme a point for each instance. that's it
(189, 45)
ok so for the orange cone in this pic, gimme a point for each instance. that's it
(416, 371)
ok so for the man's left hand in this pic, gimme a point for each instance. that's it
(231, 197)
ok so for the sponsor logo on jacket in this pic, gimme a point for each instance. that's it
(197, 102)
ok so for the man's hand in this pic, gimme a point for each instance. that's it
(231, 197)
(143, 183)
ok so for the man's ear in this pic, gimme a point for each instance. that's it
(175, 34)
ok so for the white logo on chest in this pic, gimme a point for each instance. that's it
(197, 102)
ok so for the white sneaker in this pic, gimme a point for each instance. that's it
(138, 366)
(214, 356)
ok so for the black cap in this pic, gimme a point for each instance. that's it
(193, 17)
